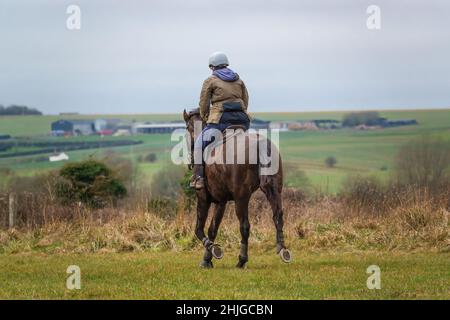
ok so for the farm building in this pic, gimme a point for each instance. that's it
(73, 127)
(106, 124)
(123, 130)
(278, 125)
(146, 128)
(396, 123)
(59, 157)
(4, 136)
(327, 123)
(259, 124)
(302, 125)
(305, 125)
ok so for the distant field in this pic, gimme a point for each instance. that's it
(32, 126)
(357, 152)
(176, 275)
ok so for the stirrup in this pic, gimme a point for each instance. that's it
(197, 183)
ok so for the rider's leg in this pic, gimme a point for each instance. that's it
(198, 181)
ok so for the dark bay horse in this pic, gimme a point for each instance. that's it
(234, 182)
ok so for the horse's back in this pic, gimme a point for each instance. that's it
(238, 174)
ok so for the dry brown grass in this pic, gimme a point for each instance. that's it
(418, 223)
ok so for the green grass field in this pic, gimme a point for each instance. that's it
(314, 274)
(172, 275)
(370, 152)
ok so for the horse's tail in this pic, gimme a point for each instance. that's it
(269, 164)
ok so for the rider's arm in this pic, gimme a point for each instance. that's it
(245, 95)
(205, 99)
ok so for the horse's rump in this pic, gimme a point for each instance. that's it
(240, 147)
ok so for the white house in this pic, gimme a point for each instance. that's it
(60, 157)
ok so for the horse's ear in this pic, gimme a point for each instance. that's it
(185, 115)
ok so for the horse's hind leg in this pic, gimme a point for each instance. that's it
(274, 197)
(242, 214)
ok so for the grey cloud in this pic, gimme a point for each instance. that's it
(138, 56)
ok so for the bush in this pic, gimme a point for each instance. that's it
(364, 195)
(166, 189)
(188, 192)
(90, 182)
(296, 178)
(330, 162)
(32, 184)
(166, 182)
(424, 163)
(151, 157)
(123, 168)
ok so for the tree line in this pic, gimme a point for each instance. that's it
(16, 110)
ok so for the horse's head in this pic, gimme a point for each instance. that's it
(191, 118)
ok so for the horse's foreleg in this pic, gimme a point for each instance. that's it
(212, 233)
(244, 223)
(202, 214)
(274, 198)
(216, 220)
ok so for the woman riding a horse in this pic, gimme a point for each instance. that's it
(223, 103)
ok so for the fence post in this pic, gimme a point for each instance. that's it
(12, 210)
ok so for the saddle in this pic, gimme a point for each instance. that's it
(238, 129)
(235, 127)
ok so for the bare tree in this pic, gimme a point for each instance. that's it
(424, 162)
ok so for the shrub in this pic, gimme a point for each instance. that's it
(296, 178)
(330, 162)
(151, 157)
(90, 182)
(364, 195)
(188, 192)
(166, 189)
(26, 184)
(123, 168)
(424, 163)
(166, 182)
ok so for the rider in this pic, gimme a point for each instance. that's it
(223, 102)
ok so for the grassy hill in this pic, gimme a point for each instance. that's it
(369, 152)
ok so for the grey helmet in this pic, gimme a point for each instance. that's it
(218, 59)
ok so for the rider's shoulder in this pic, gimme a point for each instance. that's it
(210, 79)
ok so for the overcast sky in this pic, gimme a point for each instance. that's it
(294, 55)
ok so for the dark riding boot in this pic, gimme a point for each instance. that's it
(198, 181)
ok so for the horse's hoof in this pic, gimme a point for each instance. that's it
(241, 263)
(217, 251)
(285, 255)
(206, 264)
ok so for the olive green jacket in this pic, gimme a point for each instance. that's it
(215, 92)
